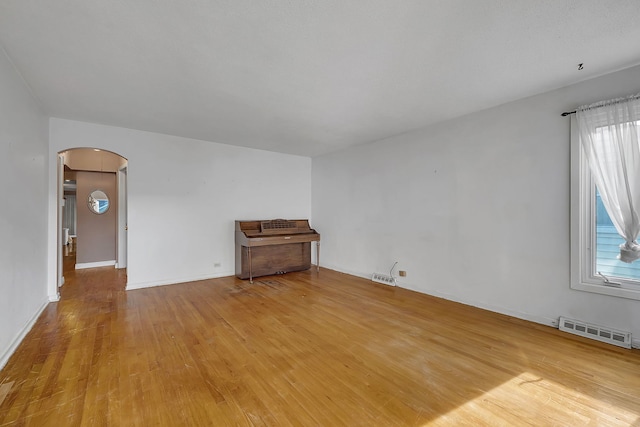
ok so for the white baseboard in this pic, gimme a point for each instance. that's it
(635, 343)
(83, 265)
(553, 322)
(548, 321)
(151, 284)
(4, 357)
(345, 271)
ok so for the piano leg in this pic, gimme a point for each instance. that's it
(250, 272)
(318, 256)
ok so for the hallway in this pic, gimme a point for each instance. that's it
(94, 284)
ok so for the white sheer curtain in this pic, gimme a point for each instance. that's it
(609, 133)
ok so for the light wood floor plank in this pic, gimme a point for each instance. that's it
(302, 349)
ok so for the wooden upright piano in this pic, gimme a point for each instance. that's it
(274, 247)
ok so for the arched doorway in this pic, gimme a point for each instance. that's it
(92, 211)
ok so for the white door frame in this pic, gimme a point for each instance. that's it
(122, 219)
(59, 207)
(121, 248)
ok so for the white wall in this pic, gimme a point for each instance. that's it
(475, 209)
(184, 195)
(23, 218)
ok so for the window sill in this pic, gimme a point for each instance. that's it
(607, 290)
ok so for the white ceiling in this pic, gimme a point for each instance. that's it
(309, 76)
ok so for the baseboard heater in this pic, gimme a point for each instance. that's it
(384, 279)
(600, 333)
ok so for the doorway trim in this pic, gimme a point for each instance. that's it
(121, 223)
(59, 201)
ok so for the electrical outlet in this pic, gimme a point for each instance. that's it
(402, 273)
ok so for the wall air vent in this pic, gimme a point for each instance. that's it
(600, 333)
(385, 279)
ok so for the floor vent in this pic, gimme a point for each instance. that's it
(384, 279)
(600, 333)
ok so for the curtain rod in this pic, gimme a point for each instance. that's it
(603, 103)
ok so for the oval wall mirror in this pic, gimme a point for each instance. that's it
(98, 202)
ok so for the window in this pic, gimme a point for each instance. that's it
(595, 243)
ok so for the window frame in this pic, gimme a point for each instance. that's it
(583, 229)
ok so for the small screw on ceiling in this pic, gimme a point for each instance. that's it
(580, 66)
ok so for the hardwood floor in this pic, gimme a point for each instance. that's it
(302, 349)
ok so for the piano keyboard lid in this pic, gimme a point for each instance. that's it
(275, 227)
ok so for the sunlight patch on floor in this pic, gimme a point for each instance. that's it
(4, 390)
(528, 399)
